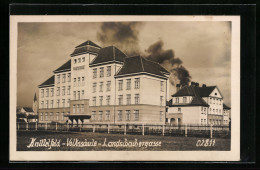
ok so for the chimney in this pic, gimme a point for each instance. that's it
(178, 86)
(204, 85)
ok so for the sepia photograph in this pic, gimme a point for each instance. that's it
(126, 86)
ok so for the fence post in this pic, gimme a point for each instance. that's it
(108, 126)
(143, 129)
(27, 126)
(36, 124)
(186, 130)
(18, 125)
(94, 128)
(46, 126)
(56, 126)
(211, 131)
(163, 130)
(125, 129)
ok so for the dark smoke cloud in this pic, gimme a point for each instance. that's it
(123, 35)
(166, 58)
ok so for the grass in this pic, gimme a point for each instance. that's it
(168, 143)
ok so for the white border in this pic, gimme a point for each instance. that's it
(233, 155)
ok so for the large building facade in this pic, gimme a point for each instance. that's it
(103, 85)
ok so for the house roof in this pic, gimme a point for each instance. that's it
(108, 54)
(28, 109)
(88, 43)
(85, 47)
(65, 67)
(226, 107)
(49, 81)
(193, 90)
(138, 64)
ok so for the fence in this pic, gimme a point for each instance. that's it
(133, 129)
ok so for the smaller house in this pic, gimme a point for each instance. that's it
(26, 114)
(226, 114)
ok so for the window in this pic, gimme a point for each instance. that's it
(94, 101)
(201, 121)
(41, 116)
(205, 121)
(100, 100)
(101, 86)
(51, 116)
(58, 79)
(42, 92)
(62, 116)
(83, 59)
(184, 99)
(57, 116)
(47, 92)
(75, 61)
(120, 99)
(213, 100)
(120, 115)
(162, 86)
(58, 91)
(108, 71)
(108, 100)
(205, 109)
(120, 85)
(69, 77)
(127, 115)
(78, 108)
(63, 102)
(74, 108)
(75, 81)
(63, 90)
(128, 84)
(58, 103)
(68, 91)
(82, 108)
(161, 116)
(136, 115)
(52, 92)
(94, 73)
(128, 99)
(68, 101)
(79, 60)
(42, 104)
(137, 98)
(177, 100)
(101, 72)
(210, 100)
(78, 95)
(93, 117)
(74, 95)
(82, 94)
(161, 100)
(137, 83)
(179, 109)
(78, 81)
(47, 104)
(83, 81)
(63, 78)
(100, 115)
(107, 115)
(51, 104)
(94, 87)
(108, 85)
(46, 116)
(213, 110)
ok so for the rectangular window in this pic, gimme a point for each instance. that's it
(101, 86)
(128, 99)
(63, 90)
(179, 109)
(184, 99)
(78, 95)
(94, 101)
(51, 116)
(46, 116)
(83, 59)
(136, 114)
(42, 104)
(161, 116)
(119, 115)
(101, 72)
(177, 100)
(100, 100)
(83, 81)
(52, 92)
(47, 104)
(120, 99)
(41, 116)
(57, 116)
(137, 98)
(63, 102)
(79, 60)
(162, 86)
(42, 92)
(107, 115)
(161, 100)
(51, 103)
(127, 115)
(82, 94)
(201, 121)
(68, 90)
(94, 86)
(74, 95)
(75, 81)
(108, 85)
(94, 73)
(58, 79)
(63, 78)
(47, 92)
(68, 102)
(128, 84)
(137, 83)
(69, 77)
(58, 91)
(82, 108)
(210, 100)
(62, 116)
(108, 71)
(120, 85)
(75, 61)
(78, 81)
(205, 121)
(58, 103)
(93, 117)
(100, 115)
(74, 108)
(78, 108)
(108, 100)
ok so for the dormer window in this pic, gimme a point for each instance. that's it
(184, 99)
(177, 100)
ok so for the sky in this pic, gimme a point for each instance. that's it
(202, 48)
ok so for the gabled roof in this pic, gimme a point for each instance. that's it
(138, 64)
(48, 82)
(28, 109)
(226, 107)
(206, 91)
(64, 67)
(88, 43)
(192, 90)
(107, 55)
